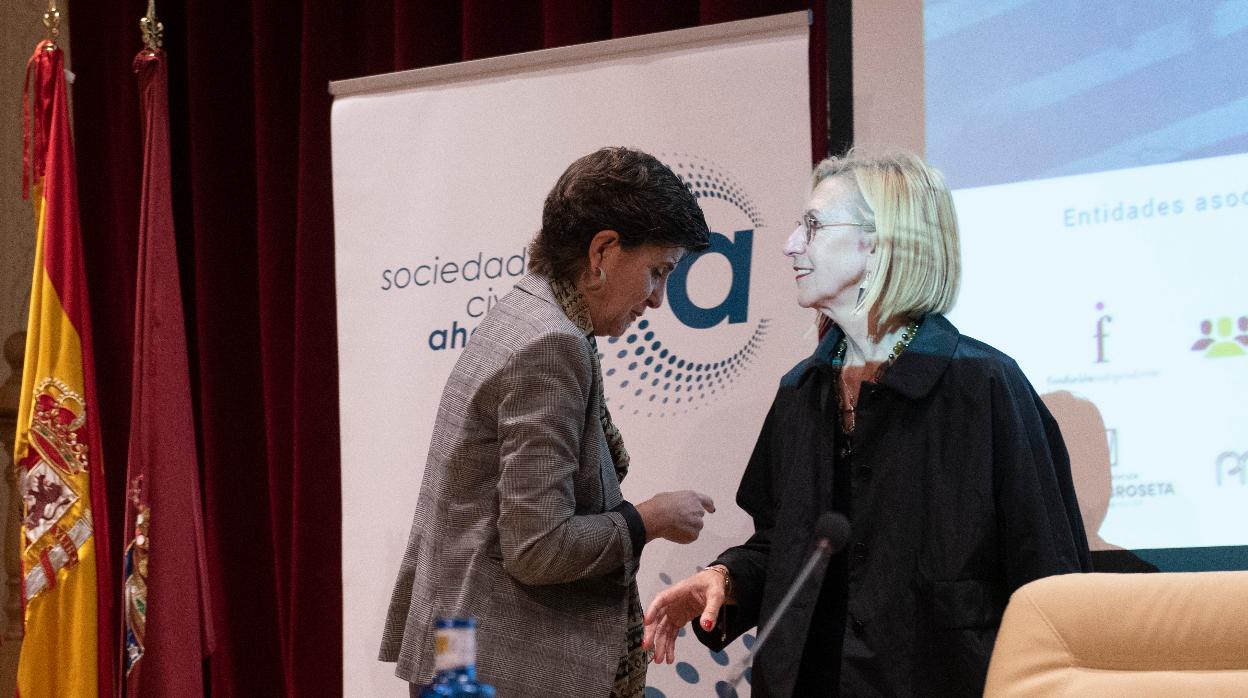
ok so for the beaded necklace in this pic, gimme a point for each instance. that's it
(849, 402)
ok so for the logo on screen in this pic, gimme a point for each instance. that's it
(675, 362)
(1232, 468)
(1101, 334)
(1223, 337)
(1142, 490)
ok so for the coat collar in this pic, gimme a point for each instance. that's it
(572, 305)
(538, 286)
(919, 367)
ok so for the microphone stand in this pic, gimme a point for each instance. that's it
(823, 551)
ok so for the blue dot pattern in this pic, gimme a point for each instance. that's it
(686, 671)
(707, 181)
(665, 383)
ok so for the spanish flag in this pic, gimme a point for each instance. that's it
(69, 647)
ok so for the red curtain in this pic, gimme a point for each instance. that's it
(252, 196)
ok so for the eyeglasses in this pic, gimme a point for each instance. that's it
(809, 225)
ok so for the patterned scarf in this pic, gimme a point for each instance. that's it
(573, 304)
(630, 675)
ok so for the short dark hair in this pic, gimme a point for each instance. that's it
(618, 189)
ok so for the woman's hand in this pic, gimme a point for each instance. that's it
(700, 595)
(676, 516)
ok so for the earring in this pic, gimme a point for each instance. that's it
(602, 280)
(862, 287)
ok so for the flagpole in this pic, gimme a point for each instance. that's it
(52, 21)
(153, 31)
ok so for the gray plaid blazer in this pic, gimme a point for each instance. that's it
(513, 523)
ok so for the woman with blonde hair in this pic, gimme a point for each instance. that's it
(952, 473)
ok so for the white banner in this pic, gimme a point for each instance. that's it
(439, 179)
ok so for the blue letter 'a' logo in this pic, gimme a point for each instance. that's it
(736, 304)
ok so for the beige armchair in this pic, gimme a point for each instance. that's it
(1174, 634)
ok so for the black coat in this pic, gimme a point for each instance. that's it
(959, 492)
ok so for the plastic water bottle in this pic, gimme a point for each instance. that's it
(455, 661)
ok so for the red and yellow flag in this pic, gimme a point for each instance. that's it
(69, 647)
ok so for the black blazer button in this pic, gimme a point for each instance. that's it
(860, 551)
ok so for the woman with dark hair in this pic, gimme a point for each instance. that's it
(520, 520)
(950, 469)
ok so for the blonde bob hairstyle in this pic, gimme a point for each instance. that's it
(918, 262)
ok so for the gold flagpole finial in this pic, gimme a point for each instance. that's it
(153, 30)
(52, 20)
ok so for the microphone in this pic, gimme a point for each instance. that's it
(831, 535)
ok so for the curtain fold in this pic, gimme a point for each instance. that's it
(245, 506)
(249, 112)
